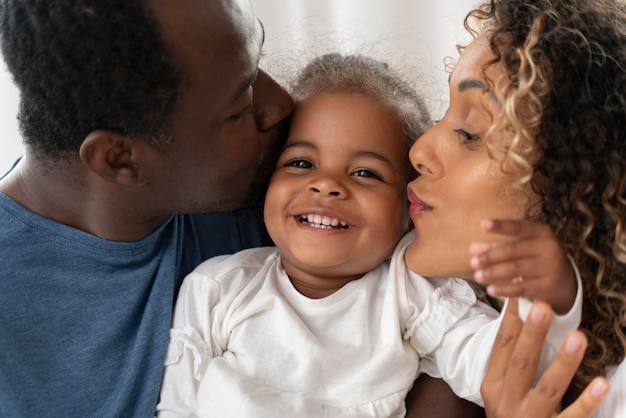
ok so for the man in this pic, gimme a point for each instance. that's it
(133, 114)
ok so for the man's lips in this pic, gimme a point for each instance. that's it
(417, 205)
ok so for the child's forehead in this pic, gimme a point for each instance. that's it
(349, 125)
(348, 102)
(349, 113)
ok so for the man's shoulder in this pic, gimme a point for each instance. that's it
(224, 233)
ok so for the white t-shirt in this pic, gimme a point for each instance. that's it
(245, 343)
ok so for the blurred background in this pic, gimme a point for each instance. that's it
(414, 36)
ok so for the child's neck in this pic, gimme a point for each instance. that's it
(313, 291)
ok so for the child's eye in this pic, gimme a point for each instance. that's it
(299, 164)
(364, 172)
(466, 136)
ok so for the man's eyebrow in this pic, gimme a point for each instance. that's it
(243, 86)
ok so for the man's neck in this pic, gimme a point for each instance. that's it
(77, 198)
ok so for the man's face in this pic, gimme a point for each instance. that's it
(228, 126)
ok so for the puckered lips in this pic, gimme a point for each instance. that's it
(417, 206)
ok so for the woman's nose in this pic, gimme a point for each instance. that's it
(422, 154)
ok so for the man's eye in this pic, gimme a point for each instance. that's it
(243, 113)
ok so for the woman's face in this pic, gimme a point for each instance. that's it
(461, 182)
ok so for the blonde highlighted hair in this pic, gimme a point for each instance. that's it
(564, 100)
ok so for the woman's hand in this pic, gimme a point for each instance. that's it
(507, 389)
(529, 262)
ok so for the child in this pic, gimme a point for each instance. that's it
(331, 322)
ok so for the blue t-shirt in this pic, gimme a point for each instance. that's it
(84, 321)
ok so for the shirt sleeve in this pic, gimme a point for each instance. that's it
(190, 348)
(187, 359)
(466, 330)
(458, 330)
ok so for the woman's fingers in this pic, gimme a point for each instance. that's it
(589, 401)
(507, 389)
(554, 382)
(501, 352)
(525, 356)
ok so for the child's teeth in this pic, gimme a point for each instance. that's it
(324, 220)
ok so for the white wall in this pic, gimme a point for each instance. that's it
(10, 142)
(416, 32)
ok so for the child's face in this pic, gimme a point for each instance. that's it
(336, 204)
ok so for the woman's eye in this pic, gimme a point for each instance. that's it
(466, 136)
(363, 172)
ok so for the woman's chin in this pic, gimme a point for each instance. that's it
(430, 262)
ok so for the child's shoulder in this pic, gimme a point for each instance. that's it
(245, 263)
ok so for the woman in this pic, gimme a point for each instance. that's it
(540, 93)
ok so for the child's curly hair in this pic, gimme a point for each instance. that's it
(360, 74)
(565, 94)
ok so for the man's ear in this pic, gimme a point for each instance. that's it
(113, 157)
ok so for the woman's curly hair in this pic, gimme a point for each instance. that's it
(82, 65)
(565, 95)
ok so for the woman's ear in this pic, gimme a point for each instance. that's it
(113, 157)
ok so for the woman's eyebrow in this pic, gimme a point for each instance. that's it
(471, 83)
(468, 83)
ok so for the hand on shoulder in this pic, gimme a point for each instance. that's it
(508, 390)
